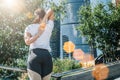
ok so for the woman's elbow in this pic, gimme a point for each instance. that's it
(51, 17)
(27, 43)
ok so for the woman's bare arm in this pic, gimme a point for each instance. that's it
(28, 38)
(48, 15)
(51, 17)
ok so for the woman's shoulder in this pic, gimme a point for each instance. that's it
(31, 25)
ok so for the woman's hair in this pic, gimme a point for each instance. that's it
(39, 14)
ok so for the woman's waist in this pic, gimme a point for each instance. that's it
(40, 47)
(39, 53)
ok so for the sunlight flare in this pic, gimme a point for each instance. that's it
(78, 54)
(14, 5)
(100, 72)
(69, 47)
(10, 3)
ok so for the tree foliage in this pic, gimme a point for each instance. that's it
(101, 25)
(13, 51)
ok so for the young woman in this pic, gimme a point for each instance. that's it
(37, 36)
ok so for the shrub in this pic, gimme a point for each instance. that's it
(64, 65)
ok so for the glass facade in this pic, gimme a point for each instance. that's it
(68, 30)
(55, 40)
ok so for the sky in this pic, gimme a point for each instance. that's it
(93, 2)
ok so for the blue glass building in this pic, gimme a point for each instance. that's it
(68, 26)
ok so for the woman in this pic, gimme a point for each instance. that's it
(37, 36)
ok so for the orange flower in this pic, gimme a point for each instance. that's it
(69, 47)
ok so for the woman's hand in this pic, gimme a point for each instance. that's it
(47, 16)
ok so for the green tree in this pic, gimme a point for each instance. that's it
(13, 51)
(101, 25)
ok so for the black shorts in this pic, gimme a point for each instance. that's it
(40, 61)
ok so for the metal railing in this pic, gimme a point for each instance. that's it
(81, 74)
(86, 74)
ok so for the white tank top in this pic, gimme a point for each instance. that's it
(44, 40)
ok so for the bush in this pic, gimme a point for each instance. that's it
(64, 65)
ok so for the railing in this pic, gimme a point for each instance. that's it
(78, 74)
(86, 74)
(13, 68)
